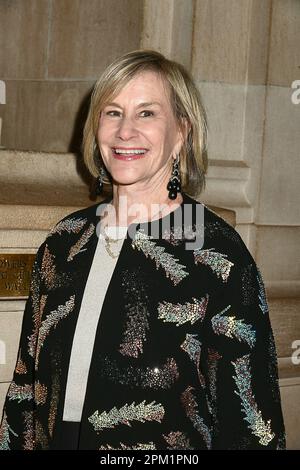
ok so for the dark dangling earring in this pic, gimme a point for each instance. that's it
(99, 185)
(174, 184)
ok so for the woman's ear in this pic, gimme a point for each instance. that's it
(185, 128)
(183, 132)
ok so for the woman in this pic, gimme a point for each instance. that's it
(157, 336)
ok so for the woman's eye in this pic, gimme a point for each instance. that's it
(112, 113)
(117, 113)
(148, 113)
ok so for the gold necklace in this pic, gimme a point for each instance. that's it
(110, 241)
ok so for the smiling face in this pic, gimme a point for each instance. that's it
(138, 133)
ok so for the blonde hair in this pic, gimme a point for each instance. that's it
(185, 101)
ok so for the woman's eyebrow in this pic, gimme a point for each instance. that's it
(138, 106)
(148, 104)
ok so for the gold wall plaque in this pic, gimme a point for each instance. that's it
(15, 274)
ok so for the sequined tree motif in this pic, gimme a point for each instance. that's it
(52, 321)
(217, 262)
(38, 309)
(52, 279)
(40, 393)
(213, 359)
(192, 346)
(173, 236)
(133, 412)
(263, 303)
(21, 368)
(177, 440)
(40, 436)
(35, 288)
(145, 377)
(78, 247)
(28, 432)
(138, 446)
(20, 392)
(55, 390)
(233, 328)
(135, 332)
(5, 431)
(178, 235)
(137, 312)
(71, 225)
(253, 416)
(48, 273)
(190, 406)
(173, 269)
(183, 313)
(38, 304)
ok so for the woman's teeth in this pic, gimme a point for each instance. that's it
(129, 152)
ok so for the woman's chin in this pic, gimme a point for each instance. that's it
(122, 178)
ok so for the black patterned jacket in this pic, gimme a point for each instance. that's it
(184, 356)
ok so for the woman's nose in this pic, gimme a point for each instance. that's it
(127, 128)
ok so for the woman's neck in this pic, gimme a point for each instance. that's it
(127, 208)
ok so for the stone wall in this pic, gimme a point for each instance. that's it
(244, 56)
(52, 52)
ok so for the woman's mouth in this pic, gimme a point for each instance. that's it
(128, 154)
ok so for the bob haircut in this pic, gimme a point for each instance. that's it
(185, 101)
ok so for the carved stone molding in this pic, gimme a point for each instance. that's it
(226, 186)
(168, 28)
(37, 178)
(38, 189)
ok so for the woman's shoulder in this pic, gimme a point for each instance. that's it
(76, 221)
(227, 256)
(219, 236)
(79, 225)
(67, 231)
